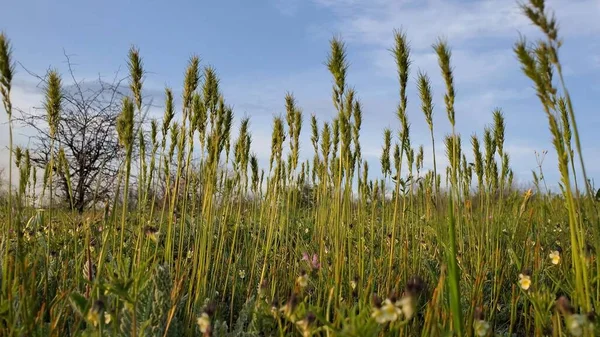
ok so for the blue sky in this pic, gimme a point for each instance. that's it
(261, 49)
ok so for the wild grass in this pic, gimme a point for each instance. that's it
(310, 248)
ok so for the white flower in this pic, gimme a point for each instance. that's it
(407, 306)
(242, 274)
(575, 324)
(481, 328)
(524, 281)
(107, 318)
(203, 322)
(555, 257)
(387, 313)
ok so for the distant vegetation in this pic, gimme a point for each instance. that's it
(219, 247)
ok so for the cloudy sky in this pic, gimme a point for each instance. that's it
(262, 49)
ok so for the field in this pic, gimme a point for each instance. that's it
(305, 248)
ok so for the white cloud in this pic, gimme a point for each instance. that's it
(371, 22)
(24, 96)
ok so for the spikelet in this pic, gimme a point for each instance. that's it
(7, 68)
(338, 66)
(401, 53)
(444, 54)
(478, 163)
(499, 127)
(125, 124)
(425, 93)
(169, 114)
(136, 73)
(385, 155)
(191, 80)
(53, 101)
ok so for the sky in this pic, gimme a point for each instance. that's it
(262, 49)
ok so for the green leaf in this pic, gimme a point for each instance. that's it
(4, 308)
(514, 257)
(121, 289)
(79, 303)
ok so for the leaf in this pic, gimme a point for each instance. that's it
(4, 308)
(79, 303)
(121, 289)
(514, 258)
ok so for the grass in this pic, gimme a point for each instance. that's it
(312, 248)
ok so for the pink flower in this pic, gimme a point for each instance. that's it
(314, 262)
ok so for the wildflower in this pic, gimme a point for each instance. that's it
(305, 324)
(302, 280)
(481, 327)
(306, 230)
(107, 317)
(190, 253)
(407, 306)
(152, 233)
(555, 257)
(525, 280)
(353, 283)
(95, 311)
(313, 262)
(289, 307)
(242, 274)
(415, 285)
(204, 322)
(274, 305)
(388, 312)
(575, 324)
(564, 306)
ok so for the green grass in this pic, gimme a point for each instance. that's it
(309, 248)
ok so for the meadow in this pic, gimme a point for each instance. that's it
(217, 246)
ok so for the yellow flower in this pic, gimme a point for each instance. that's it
(555, 257)
(524, 281)
(152, 233)
(203, 322)
(305, 324)
(387, 313)
(302, 280)
(94, 313)
(92, 317)
(481, 327)
(353, 284)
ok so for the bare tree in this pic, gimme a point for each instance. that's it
(86, 133)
